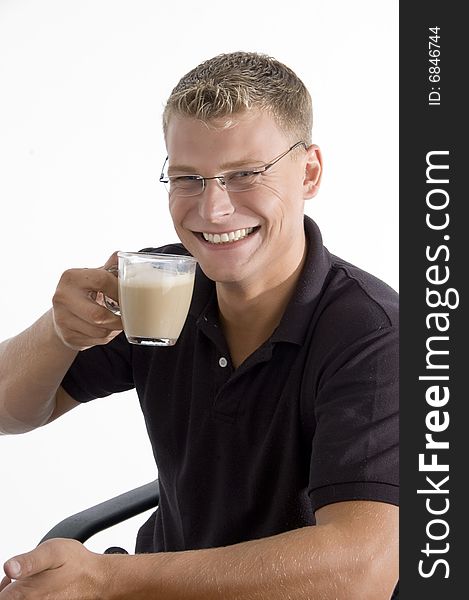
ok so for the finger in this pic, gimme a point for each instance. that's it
(95, 315)
(86, 280)
(111, 261)
(77, 341)
(43, 558)
(79, 334)
(78, 325)
(4, 583)
(67, 323)
(85, 306)
(80, 331)
(101, 280)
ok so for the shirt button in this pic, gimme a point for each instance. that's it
(222, 362)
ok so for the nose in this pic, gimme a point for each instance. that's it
(215, 203)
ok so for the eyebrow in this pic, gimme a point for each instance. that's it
(223, 167)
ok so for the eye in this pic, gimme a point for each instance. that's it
(184, 178)
(186, 184)
(238, 175)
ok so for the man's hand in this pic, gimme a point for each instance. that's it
(80, 318)
(58, 569)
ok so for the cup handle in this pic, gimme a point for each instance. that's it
(109, 303)
(112, 305)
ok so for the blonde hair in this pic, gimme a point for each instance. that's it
(229, 84)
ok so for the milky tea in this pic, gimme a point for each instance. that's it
(154, 296)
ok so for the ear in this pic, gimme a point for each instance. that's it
(313, 172)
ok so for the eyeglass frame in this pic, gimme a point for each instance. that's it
(221, 178)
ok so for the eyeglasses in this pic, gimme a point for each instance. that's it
(234, 181)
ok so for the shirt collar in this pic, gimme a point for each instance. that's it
(293, 325)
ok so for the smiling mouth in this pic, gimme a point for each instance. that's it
(228, 237)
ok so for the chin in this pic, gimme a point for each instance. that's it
(222, 274)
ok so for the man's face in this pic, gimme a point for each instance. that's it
(272, 213)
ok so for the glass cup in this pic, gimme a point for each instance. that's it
(155, 292)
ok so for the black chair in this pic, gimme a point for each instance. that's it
(87, 523)
(90, 521)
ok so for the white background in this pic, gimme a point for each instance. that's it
(82, 87)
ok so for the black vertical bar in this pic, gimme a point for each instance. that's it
(434, 398)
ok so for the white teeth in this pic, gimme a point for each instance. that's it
(226, 238)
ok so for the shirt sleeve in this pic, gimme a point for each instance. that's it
(355, 454)
(100, 371)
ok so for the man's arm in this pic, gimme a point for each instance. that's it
(351, 554)
(33, 363)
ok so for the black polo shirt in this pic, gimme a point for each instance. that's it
(310, 418)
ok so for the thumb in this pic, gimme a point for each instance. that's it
(38, 560)
(12, 569)
(111, 261)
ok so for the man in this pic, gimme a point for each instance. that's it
(273, 419)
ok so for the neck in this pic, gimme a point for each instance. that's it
(249, 314)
